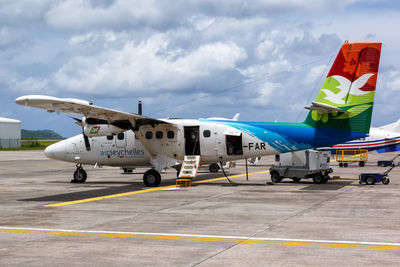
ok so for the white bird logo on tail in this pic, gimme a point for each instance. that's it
(344, 86)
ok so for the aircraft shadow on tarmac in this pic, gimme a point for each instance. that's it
(138, 185)
(109, 190)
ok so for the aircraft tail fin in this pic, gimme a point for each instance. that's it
(346, 98)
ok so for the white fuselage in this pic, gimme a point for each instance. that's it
(212, 141)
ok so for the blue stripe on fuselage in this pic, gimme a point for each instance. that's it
(285, 137)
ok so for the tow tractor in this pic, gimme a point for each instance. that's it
(372, 178)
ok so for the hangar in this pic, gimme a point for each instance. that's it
(10, 133)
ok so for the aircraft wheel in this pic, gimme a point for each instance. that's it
(370, 180)
(296, 180)
(275, 177)
(385, 180)
(340, 164)
(213, 167)
(152, 178)
(80, 176)
(361, 164)
(318, 178)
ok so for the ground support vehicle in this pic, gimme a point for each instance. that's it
(385, 163)
(304, 164)
(344, 157)
(372, 178)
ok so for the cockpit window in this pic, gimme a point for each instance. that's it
(120, 136)
(110, 137)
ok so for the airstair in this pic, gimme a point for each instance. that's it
(189, 168)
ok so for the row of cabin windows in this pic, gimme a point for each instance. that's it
(159, 135)
(148, 135)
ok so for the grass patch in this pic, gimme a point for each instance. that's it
(36, 144)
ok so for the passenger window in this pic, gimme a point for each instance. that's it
(159, 135)
(110, 137)
(206, 133)
(120, 136)
(149, 135)
(170, 134)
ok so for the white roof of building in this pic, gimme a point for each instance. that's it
(6, 120)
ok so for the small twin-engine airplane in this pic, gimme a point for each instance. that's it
(341, 112)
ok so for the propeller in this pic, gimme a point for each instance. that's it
(85, 138)
(77, 121)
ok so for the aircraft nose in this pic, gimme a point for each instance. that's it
(55, 151)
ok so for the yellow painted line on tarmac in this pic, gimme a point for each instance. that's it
(208, 238)
(345, 179)
(141, 191)
(230, 177)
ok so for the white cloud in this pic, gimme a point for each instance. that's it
(29, 85)
(272, 68)
(83, 14)
(315, 73)
(264, 49)
(148, 66)
(394, 84)
(266, 94)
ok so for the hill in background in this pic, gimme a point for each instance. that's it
(40, 134)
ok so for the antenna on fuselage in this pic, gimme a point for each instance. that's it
(140, 107)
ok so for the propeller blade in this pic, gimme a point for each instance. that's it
(77, 121)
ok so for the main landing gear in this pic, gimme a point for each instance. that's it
(152, 178)
(80, 175)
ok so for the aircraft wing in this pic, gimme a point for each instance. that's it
(84, 108)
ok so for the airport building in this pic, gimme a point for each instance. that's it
(10, 133)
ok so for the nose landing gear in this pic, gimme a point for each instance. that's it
(80, 175)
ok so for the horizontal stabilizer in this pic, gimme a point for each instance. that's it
(325, 108)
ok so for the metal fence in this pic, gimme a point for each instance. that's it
(7, 143)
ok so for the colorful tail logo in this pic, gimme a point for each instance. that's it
(350, 88)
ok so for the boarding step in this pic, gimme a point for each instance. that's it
(184, 182)
(189, 168)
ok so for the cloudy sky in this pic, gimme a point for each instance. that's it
(265, 59)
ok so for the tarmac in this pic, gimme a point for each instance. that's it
(114, 220)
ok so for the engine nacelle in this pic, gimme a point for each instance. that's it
(101, 130)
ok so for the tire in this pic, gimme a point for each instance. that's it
(275, 177)
(80, 176)
(296, 180)
(385, 180)
(213, 167)
(361, 164)
(370, 180)
(325, 180)
(345, 165)
(152, 178)
(318, 178)
(340, 164)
